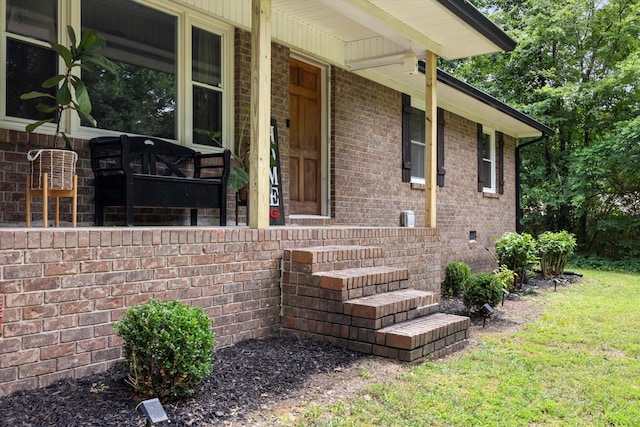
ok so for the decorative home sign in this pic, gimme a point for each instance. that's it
(276, 204)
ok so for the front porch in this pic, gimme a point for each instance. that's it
(62, 288)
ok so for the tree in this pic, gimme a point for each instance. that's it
(576, 68)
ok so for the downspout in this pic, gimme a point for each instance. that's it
(518, 189)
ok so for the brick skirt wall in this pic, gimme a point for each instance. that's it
(61, 289)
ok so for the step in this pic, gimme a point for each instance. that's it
(322, 254)
(353, 278)
(380, 305)
(436, 334)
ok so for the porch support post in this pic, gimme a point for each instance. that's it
(431, 136)
(260, 111)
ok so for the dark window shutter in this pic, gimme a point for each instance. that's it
(500, 162)
(441, 170)
(406, 138)
(480, 161)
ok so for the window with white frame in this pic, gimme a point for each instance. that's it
(174, 66)
(489, 161)
(417, 145)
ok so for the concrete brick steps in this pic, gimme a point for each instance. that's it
(418, 338)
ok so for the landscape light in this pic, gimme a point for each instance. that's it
(153, 410)
(555, 284)
(505, 293)
(486, 311)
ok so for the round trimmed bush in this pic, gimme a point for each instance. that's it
(455, 276)
(169, 347)
(481, 289)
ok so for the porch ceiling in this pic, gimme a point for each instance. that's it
(379, 28)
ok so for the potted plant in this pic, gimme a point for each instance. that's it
(239, 171)
(71, 94)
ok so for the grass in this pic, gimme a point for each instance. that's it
(577, 365)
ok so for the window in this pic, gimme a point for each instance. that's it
(487, 160)
(175, 68)
(30, 60)
(413, 143)
(417, 145)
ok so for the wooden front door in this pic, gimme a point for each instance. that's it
(305, 138)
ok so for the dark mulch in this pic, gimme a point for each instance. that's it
(453, 304)
(245, 376)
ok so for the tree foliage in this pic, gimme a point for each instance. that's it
(576, 68)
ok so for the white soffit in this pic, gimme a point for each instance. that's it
(451, 99)
(375, 28)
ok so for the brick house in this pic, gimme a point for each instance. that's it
(371, 136)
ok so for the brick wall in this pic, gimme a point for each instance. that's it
(366, 154)
(62, 289)
(461, 208)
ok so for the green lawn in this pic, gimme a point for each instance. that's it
(578, 365)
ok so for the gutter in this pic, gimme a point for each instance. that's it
(491, 101)
(464, 10)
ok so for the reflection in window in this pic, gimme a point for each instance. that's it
(417, 143)
(488, 159)
(141, 98)
(207, 84)
(29, 64)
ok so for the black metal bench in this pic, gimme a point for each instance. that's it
(139, 171)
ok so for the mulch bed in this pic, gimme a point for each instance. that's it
(245, 376)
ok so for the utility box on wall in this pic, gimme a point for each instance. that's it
(407, 219)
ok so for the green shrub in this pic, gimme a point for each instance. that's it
(554, 249)
(481, 289)
(169, 347)
(516, 252)
(455, 276)
(505, 277)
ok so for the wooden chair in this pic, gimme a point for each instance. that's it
(45, 193)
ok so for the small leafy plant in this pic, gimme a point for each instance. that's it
(71, 91)
(169, 348)
(554, 249)
(239, 172)
(480, 289)
(516, 252)
(455, 276)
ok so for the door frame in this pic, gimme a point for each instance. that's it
(325, 149)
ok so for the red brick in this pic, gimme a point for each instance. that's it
(40, 340)
(95, 266)
(73, 361)
(58, 350)
(20, 358)
(69, 335)
(38, 312)
(91, 345)
(22, 328)
(60, 322)
(8, 375)
(35, 369)
(94, 318)
(41, 284)
(109, 303)
(22, 271)
(73, 307)
(10, 345)
(60, 268)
